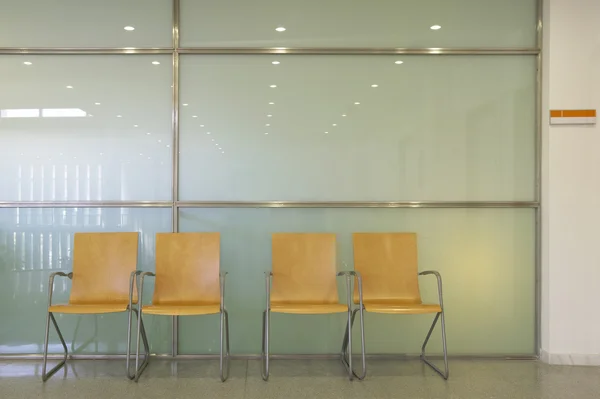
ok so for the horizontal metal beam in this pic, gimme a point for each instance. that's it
(272, 50)
(269, 204)
(361, 51)
(257, 356)
(358, 204)
(84, 50)
(86, 204)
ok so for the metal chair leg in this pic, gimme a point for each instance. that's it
(446, 373)
(141, 331)
(264, 370)
(347, 343)
(46, 376)
(224, 335)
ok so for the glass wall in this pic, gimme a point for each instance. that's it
(270, 116)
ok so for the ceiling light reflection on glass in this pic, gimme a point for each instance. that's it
(135, 125)
(129, 28)
(119, 116)
(268, 124)
(271, 103)
(275, 62)
(194, 116)
(399, 62)
(335, 124)
(69, 87)
(357, 103)
(155, 63)
(280, 29)
(436, 27)
(269, 116)
(273, 86)
(96, 103)
(185, 105)
(326, 132)
(374, 85)
(27, 63)
(344, 115)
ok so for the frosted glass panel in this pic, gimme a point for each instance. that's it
(343, 128)
(85, 23)
(485, 256)
(37, 242)
(85, 127)
(343, 23)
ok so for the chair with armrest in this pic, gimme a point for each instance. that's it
(303, 281)
(188, 282)
(104, 272)
(388, 265)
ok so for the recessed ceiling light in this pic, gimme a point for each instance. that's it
(160, 141)
(268, 124)
(326, 132)
(273, 86)
(185, 105)
(207, 132)
(97, 103)
(194, 116)
(374, 85)
(222, 152)
(335, 124)
(101, 153)
(275, 62)
(343, 114)
(266, 132)
(141, 154)
(436, 27)
(357, 103)
(168, 145)
(135, 125)
(119, 116)
(269, 116)
(399, 62)
(201, 125)
(271, 103)
(129, 28)
(212, 139)
(148, 133)
(27, 63)
(280, 29)
(69, 87)
(155, 63)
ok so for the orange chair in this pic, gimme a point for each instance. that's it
(188, 283)
(388, 265)
(304, 282)
(103, 265)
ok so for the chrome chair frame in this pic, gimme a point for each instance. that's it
(224, 355)
(50, 317)
(446, 373)
(346, 356)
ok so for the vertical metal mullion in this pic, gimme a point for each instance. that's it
(175, 156)
(538, 178)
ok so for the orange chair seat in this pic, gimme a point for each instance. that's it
(304, 308)
(89, 309)
(395, 308)
(181, 310)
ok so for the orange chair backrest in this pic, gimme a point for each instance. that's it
(304, 268)
(102, 266)
(187, 269)
(388, 265)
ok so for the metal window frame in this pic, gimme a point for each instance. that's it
(175, 204)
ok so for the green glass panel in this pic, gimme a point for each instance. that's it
(37, 242)
(485, 256)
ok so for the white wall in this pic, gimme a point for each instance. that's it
(571, 186)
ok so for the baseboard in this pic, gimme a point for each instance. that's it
(570, 359)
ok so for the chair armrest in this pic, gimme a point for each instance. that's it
(222, 277)
(438, 276)
(132, 278)
(349, 274)
(141, 286)
(268, 278)
(51, 283)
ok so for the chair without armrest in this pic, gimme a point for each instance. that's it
(303, 281)
(188, 282)
(389, 268)
(104, 269)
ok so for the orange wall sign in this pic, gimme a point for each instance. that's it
(573, 117)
